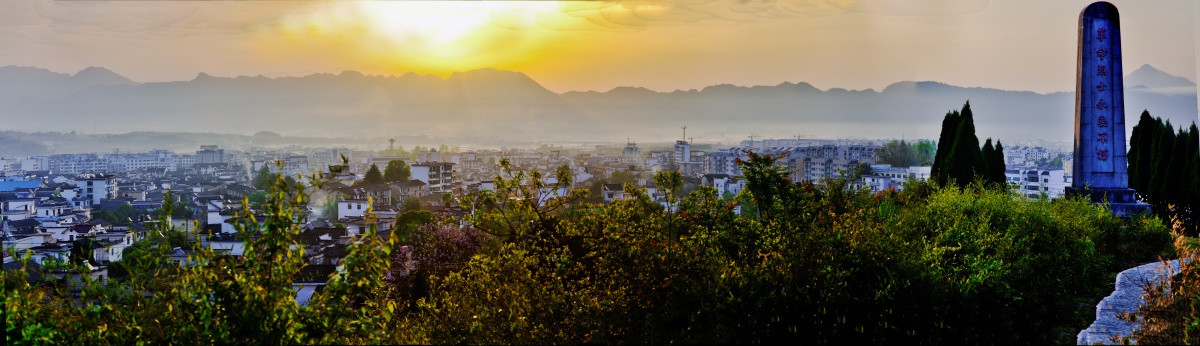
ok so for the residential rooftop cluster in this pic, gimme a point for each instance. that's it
(52, 204)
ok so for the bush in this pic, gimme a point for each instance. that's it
(819, 262)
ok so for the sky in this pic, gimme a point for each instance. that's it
(663, 45)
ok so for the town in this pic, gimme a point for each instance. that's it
(52, 204)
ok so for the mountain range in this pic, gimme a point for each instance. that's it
(509, 105)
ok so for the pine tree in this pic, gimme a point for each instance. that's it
(373, 176)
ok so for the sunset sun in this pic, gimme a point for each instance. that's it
(428, 36)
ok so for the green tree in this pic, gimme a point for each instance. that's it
(256, 199)
(411, 204)
(960, 158)
(263, 179)
(1163, 167)
(1140, 157)
(396, 171)
(373, 176)
(925, 152)
(993, 168)
(622, 177)
(996, 167)
(964, 161)
(898, 154)
(945, 144)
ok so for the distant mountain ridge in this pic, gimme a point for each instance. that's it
(506, 104)
(1151, 77)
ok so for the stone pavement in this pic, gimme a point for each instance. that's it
(1127, 297)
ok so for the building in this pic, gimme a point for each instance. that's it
(631, 150)
(210, 154)
(682, 154)
(437, 176)
(1037, 182)
(352, 208)
(97, 187)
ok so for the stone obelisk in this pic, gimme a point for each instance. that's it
(1100, 169)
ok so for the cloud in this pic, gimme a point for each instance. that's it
(649, 13)
(912, 7)
(205, 17)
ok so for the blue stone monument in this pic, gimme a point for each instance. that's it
(1100, 169)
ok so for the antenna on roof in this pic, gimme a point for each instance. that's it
(684, 133)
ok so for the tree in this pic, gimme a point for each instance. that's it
(263, 179)
(944, 145)
(622, 177)
(925, 152)
(986, 152)
(257, 198)
(119, 216)
(960, 159)
(410, 204)
(897, 153)
(1163, 168)
(1141, 144)
(996, 165)
(396, 171)
(964, 161)
(373, 176)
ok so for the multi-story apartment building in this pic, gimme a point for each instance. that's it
(210, 154)
(438, 176)
(1035, 182)
(97, 187)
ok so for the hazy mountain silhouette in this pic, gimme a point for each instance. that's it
(1151, 77)
(18, 82)
(510, 105)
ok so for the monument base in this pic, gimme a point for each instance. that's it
(1122, 201)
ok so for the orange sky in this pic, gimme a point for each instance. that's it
(595, 45)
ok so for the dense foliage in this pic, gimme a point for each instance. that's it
(959, 158)
(119, 216)
(899, 153)
(373, 176)
(1164, 168)
(396, 170)
(802, 262)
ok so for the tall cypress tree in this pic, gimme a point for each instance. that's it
(1193, 143)
(964, 160)
(996, 164)
(987, 152)
(944, 144)
(1164, 144)
(1141, 143)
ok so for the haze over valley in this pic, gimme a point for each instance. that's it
(502, 106)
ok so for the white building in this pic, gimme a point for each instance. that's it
(1037, 182)
(438, 176)
(352, 208)
(682, 154)
(97, 187)
(884, 177)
